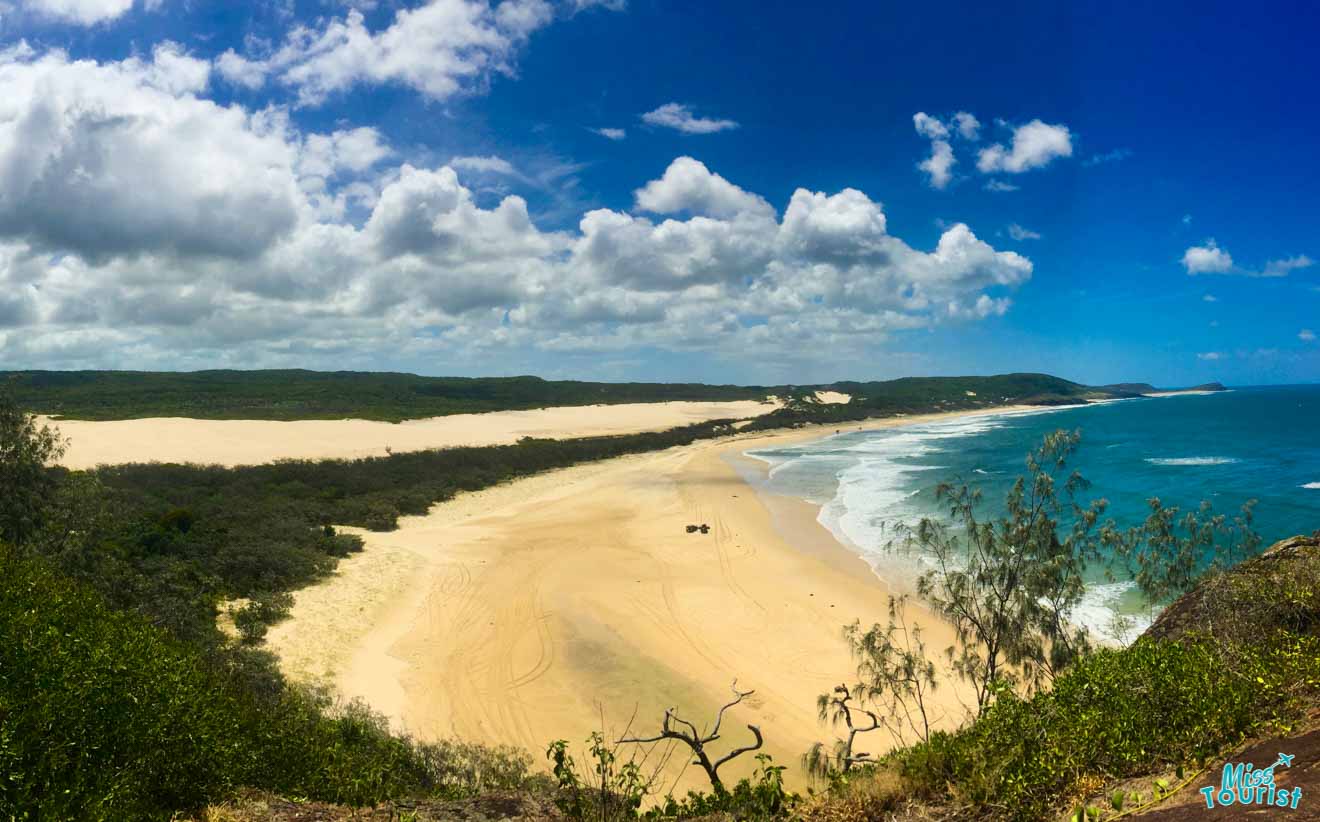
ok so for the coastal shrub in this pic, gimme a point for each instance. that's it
(26, 448)
(1116, 713)
(613, 789)
(1009, 584)
(103, 716)
(261, 611)
(760, 797)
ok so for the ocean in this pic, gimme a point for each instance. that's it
(1227, 448)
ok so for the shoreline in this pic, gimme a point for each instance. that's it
(528, 611)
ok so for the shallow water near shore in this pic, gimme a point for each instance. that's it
(1227, 448)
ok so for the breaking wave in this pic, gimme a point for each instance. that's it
(1192, 460)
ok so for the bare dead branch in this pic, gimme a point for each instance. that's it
(736, 752)
(720, 716)
(697, 742)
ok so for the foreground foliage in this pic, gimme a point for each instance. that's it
(612, 789)
(1238, 656)
(1118, 713)
(105, 717)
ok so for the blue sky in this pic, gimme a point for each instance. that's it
(661, 190)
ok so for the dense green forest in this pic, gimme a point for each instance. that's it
(302, 395)
(290, 395)
(922, 395)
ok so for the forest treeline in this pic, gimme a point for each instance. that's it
(297, 394)
(308, 395)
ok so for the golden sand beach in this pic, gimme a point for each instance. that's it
(542, 608)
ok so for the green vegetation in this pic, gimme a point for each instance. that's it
(924, 395)
(25, 450)
(292, 395)
(103, 716)
(1117, 713)
(304, 395)
(120, 698)
(1009, 586)
(613, 790)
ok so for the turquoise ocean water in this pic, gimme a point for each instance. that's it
(1261, 443)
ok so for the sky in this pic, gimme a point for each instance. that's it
(745, 192)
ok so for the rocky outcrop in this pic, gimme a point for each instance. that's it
(1278, 589)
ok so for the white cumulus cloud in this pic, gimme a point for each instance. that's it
(969, 128)
(441, 49)
(240, 71)
(1207, 259)
(1034, 145)
(687, 185)
(80, 12)
(929, 127)
(118, 158)
(939, 165)
(143, 225)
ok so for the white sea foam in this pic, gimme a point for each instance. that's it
(1315, 486)
(1192, 460)
(1099, 608)
(873, 500)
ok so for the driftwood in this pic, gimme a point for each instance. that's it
(688, 735)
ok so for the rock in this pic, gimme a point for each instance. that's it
(1279, 588)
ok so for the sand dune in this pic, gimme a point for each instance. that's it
(526, 612)
(248, 442)
(832, 397)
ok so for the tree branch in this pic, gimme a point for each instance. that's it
(756, 732)
(714, 733)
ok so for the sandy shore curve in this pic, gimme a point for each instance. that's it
(537, 609)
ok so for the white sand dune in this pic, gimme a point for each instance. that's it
(833, 397)
(250, 442)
